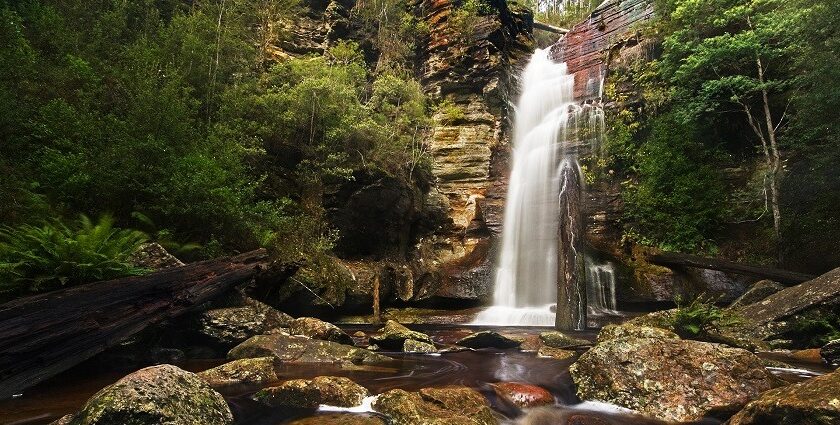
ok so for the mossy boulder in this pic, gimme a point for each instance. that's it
(301, 349)
(232, 325)
(319, 329)
(161, 394)
(812, 402)
(414, 346)
(757, 292)
(340, 419)
(555, 353)
(393, 336)
(611, 332)
(254, 371)
(488, 339)
(560, 340)
(671, 379)
(436, 406)
(310, 393)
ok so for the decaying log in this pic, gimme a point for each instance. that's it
(43, 335)
(550, 28)
(673, 259)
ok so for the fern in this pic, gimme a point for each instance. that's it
(43, 258)
(699, 318)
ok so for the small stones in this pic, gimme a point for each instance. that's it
(311, 393)
(412, 346)
(487, 339)
(560, 340)
(523, 395)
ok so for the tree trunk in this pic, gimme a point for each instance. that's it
(775, 158)
(674, 259)
(46, 334)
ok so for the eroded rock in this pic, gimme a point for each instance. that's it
(611, 332)
(813, 402)
(671, 379)
(340, 419)
(393, 336)
(161, 394)
(488, 339)
(560, 340)
(232, 325)
(413, 346)
(448, 405)
(757, 292)
(300, 349)
(555, 353)
(310, 393)
(523, 395)
(254, 371)
(319, 329)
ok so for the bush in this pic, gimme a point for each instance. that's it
(700, 318)
(37, 259)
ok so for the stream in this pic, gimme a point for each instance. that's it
(67, 392)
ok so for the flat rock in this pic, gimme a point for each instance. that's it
(560, 340)
(319, 329)
(413, 346)
(300, 349)
(555, 353)
(823, 290)
(812, 402)
(487, 339)
(831, 352)
(611, 332)
(340, 419)
(757, 292)
(671, 379)
(448, 405)
(523, 395)
(310, 393)
(393, 335)
(254, 371)
(161, 394)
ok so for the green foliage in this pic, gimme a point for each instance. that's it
(464, 20)
(676, 200)
(42, 258)
(815, 329)
(699, 318)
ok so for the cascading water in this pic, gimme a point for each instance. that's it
(600, 290)
(526, 278)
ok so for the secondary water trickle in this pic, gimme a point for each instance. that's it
(526, 277)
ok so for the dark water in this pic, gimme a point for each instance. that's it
(476, 369)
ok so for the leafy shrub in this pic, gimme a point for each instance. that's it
(54, 255)
(699, 318)
(815, 329)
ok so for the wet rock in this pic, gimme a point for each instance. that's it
(449, 405)
(393, 335)
(757, 292)
(360, 334)
(810, 355)
(310, 393)
(611, 332)
(487, 339)
(412, 346)
(831, 352)
(550, 416)
(555, 353)
(671, 379)
(64, 420)
(813, 402)
(340, 419)
(560, 340)
(254, 371)
(161, 355)
(823, 290)
(300, 349)
(319, 329)
(523, 395)
(153, 256)
(232, 325)
(156, 395)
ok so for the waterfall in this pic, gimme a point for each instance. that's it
(600, 290)
(544, 126)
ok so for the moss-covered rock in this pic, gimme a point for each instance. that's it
(310, 393)
(414, 346)
(813, 402)
(555, 353)
(300, 349)
(232, 325)
(611, 332)
(757, 292)
(340, 419)
(254, 371)
(161, 394)
(671, 379)
(560, 340)
(319, 329)
(393, 335)
(435, 406)
(488, 339)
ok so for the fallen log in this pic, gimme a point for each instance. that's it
(46, 334)
(550, 28)
(674, 259)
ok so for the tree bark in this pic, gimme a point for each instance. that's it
(46, 334)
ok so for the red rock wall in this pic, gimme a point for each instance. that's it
(586, 47)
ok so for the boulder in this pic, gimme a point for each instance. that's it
(300, 349)
(433, 406)
(153, 256)
(671, 379)
(161, 394)
(812, 402)
(560, 340)
(757, 292)
(413, 346)
(555, 353)
(319, 329)
(232, 325)
(823, 290)
(310, 393)
(831, 352)
(393, 335)
(340, 419)
(254, 371)
(523, 395)
(487, 339)
(611, 332)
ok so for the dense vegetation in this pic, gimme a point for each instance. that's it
(735, 130)
(178, 116)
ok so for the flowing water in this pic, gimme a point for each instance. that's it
(548, 124)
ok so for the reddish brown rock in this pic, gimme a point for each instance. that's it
(523, 395)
